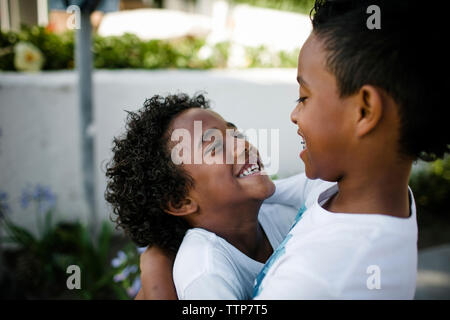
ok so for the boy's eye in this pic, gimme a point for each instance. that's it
(301, 99)
(239, 135)
(212, 148)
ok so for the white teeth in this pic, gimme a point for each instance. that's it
(253, 169)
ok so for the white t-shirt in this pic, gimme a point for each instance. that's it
(330, 255)
(208, 267)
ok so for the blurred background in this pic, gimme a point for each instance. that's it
(68, 72)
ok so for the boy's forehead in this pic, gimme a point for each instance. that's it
(311, 59)
(186, 119)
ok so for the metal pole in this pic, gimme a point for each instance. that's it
(83, 62)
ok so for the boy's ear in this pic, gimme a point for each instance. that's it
(185, 207)
(370, 109)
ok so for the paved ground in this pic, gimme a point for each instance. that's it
(433, 279)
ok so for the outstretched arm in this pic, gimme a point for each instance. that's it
(156, 275)
(293, 191)
(289, 191)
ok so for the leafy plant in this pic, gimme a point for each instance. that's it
(57, 49)
(431, 187)
(41, 263)
(128, 51)
(37, 263)
(262, 57)
(302, 6)
(126, 265)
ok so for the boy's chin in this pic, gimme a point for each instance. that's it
(266, 190)
(260, 191)
(310, 174)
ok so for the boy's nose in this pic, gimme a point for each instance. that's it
(294, 115)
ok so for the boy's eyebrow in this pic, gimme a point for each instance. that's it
(230, 124)
(200, 143)
(302, 81)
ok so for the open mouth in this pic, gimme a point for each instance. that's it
(303, 142)
(249, 169)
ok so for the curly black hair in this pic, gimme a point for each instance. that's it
(142, 179)
(405, 57)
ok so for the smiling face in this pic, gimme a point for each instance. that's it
(222, 184)
(322, 117)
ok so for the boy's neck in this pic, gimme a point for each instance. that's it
(379, 190)
(240, 227)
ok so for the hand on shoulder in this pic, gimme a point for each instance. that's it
(156, 275)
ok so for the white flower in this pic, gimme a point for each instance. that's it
(266, 57)
(27, 57)
(205, 52)
(237, 57)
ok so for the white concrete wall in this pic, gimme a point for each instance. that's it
(39, 122)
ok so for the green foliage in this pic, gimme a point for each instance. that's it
(128, 51)
(262, 57)
(117, 52)
(39, 264)
(57, 49)
(431, 187)
(302, 6)
(127, 271)
(7, 42)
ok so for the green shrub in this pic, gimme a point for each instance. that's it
(262, 57)
(431, 187)
(117, 52)
(301, 6)
(57, 49)
(128, 51)
(36, 267)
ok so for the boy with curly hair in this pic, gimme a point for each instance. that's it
(213, 209)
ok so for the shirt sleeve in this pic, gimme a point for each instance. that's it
(293, 191)
(211, 287)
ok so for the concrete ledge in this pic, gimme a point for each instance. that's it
(433, 278)
(39, 122)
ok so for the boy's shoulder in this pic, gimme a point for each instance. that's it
(340, 241)
(205, 259)
(199, 246)
(201, 252)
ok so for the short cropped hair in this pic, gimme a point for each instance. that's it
(405, 57)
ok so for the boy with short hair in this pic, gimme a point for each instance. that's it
(367, 109)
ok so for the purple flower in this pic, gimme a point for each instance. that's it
(135, 287)
(141, 250)
(125, 273)
(121, 258)
(43, 195)
(25, 197)
(3, 203)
